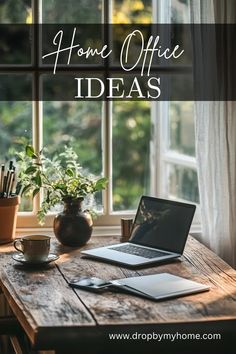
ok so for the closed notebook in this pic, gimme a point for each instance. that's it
(160, 286)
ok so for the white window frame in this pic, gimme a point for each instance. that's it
(160, 156)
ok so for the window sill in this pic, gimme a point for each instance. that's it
(97, 230)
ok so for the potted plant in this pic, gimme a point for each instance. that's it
(63, 181)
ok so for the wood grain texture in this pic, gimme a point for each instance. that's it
(197, 264)
(53, 314)
(40, 298)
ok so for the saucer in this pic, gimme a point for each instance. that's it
(20, 258)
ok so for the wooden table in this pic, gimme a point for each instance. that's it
(55, 317)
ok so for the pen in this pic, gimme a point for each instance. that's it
(2, 178)
(4, 186)
(13, 182)
(11, 165)
(9, 183)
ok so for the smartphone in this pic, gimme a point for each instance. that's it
(90, 283)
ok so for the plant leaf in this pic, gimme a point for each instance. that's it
(19, 158)
(30, 170)
(60, 186)
(25, 189)
(29, 150)
(69, 172)
(35, 191)
(38, 179)
(38, 164)
(101, 183)
(18, 188)
(48, 197)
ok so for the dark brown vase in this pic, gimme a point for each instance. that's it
(73, 227)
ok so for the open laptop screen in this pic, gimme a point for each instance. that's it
(162, 224)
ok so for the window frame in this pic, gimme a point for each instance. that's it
(160, 156)
(160, 119)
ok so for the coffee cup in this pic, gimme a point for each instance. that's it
(35, 248)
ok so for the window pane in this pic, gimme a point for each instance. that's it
(15, 44)
(181, 128)
(15, 11)
(131, 11)
(15, 87)
(15, 132)
(78, 125)
(72, 11)
(180, 11)
(131, 166)
(182, 183)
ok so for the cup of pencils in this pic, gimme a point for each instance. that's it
(9, 203)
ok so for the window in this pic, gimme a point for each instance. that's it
(143, 147)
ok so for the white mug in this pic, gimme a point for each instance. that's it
(34, 247)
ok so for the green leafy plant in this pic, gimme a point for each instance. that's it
(62, 178)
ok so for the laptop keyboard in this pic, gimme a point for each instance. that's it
(138, 251)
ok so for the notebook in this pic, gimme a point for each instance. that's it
(160, 286)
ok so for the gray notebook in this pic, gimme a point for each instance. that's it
(160, 286)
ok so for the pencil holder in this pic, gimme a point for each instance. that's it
(8, 215)
(126, 227)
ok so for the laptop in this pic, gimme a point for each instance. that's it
(159, 234)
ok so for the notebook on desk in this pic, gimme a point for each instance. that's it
(160, 286)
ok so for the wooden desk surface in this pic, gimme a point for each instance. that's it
(54, 316)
